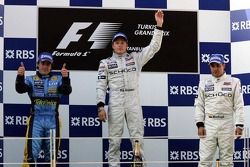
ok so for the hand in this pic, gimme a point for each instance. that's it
(201, 132)
(21, 69)
(64, 71)
(102, 114)
(238, 132)
(159, 18)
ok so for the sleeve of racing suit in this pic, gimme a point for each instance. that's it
(65, 88)
(200, 106)
(102, 83)
(238, 104)
(21, 86)
(148, 52)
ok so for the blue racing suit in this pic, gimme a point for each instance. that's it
(45, 92)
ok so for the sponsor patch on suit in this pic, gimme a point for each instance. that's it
(209, 87)
(226, 89)
(112, 66)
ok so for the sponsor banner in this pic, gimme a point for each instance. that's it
(15, 119)
(245, 86)
(1, 20)
(82, 37)
(126, 154)
(151, 4)
(209, 48)
(155, 121)
(84, 119)
(186, 150)
(1, 150)
(62, 156)
(241, 153)
(97, 3)
(17, 50)
(182, 89)
(240, 25)
(214, 5)
(18, 2)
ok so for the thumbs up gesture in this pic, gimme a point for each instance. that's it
(64, 71)
(21, 69)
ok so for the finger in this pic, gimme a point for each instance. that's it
(21, 64)
(64, 65)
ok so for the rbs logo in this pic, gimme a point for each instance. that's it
(155, 122)
(245, 89)
(183, 90)
(62, 154)
(184, 155)
(85, 121)
(1, 20)
(19, 54)
(16, 120)
(124, 155)
(1, 86)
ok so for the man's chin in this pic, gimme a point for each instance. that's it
(43, 73)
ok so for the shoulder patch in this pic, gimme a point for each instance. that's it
(54, 78)
(36, 78)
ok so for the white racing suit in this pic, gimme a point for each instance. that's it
(121, 75)
(220, 107)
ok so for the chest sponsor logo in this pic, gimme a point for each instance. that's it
(112, 66)
(226, 89)
(209, 88)
(227, 83)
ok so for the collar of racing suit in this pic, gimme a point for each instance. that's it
(43, 76)
(217, 79)
(117, 56)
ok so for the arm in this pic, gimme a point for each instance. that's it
(238, 108)
(101, 89)
(200, 107)
(102, 83)
(238, 105)
(200, 111)
(155, 44)
(65, 88)
(21, 86)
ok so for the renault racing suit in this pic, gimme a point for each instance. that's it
(121, 74)
(219, 108)
(45, 93)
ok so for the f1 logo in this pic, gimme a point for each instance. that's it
(71, 35)
(101, 36)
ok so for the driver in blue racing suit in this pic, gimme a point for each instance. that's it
(45, 91)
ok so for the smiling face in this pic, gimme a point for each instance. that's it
(44, 67)
(217, 70)
(120, 46)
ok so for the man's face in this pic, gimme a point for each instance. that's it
(217, 70)
(44, 67)
(119, 46)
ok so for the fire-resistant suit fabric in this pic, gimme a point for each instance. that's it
(219, 107)
(45, 92)
(121, 75)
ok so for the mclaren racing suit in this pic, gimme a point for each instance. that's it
(45, 93)
(120, 74)
(219, 108)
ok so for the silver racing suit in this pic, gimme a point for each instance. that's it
(219, 107)
(121, 75)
